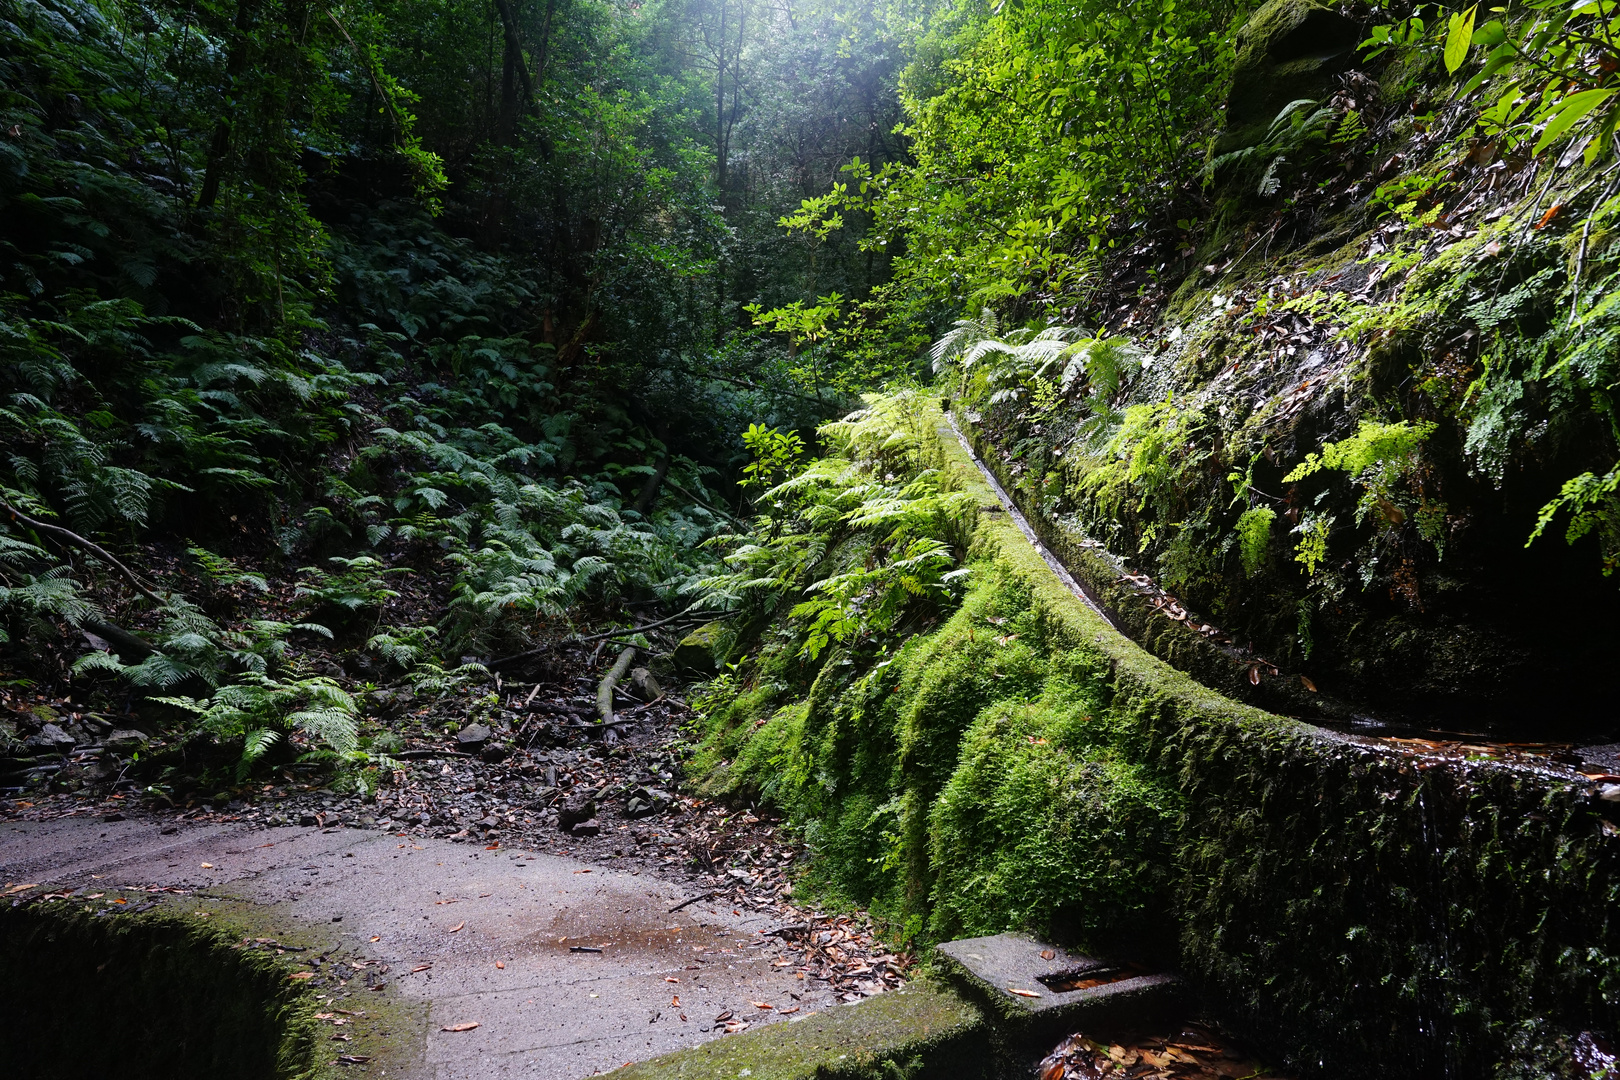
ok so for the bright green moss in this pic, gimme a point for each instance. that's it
(1043, 824)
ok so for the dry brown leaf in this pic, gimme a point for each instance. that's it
(467, 1026)
(301, 975)
(456, 927)
(1022, 993)
(762, 1005)
(500, 965)
(1047, 954)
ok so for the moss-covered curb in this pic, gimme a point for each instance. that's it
(1014, 762)
(1132, 608)
(153, 993)
(1349, 906)
(923, 1030)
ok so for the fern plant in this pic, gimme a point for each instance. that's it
(263, 712)
(854, 538)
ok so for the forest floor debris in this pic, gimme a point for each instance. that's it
(1193, 1053)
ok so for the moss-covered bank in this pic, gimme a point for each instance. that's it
(1348, 905)
(85, 993)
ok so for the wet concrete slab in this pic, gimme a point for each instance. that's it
(466, 935)
(1045, 988)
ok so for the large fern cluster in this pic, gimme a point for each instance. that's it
(856, 540)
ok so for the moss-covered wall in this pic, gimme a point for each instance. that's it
(1352, 907)
(148, 995)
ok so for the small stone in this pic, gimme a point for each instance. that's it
(308, 820)
(472, 737)
(494, 752)
(578, 808)
(645, 683)
(50, 739)
(587, 828)
(126, 740)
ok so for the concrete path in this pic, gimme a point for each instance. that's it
(442, 916)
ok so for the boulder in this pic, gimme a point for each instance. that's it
(645, 684)
(1288, 50)
(645, 802)
(576, 809)
(696, 652)
(48, 740)
(126, 740)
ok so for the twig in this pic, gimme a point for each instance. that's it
(712, 509)
(637, 629)
(694, 900)
(607, 635)
(93, 548)
(409, 755)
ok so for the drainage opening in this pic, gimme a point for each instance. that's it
(141, 997)
(1084, 978)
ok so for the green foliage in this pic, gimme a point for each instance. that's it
(356, 587)
(1301, 130)
(262, 712)
(1543, 71)
(1383, 461)
(776, 455)
(1038, 130)
(1254, 537)
(854, 546)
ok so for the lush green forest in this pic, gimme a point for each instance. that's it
(441, 311)
(369, 353)
(352, 344)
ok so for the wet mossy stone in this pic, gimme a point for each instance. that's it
(925, 1030)
(1288, 50)
(696, 651)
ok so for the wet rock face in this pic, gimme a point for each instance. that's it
(1289, 49)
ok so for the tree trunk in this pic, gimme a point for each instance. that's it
(236, 62)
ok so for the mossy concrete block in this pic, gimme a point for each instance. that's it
(1012, 974)
(697, 650)
(924, 1024)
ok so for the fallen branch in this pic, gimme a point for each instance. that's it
(626, 631)
(125, 644)
(88, 545)
(604, 692)
(711, 508)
